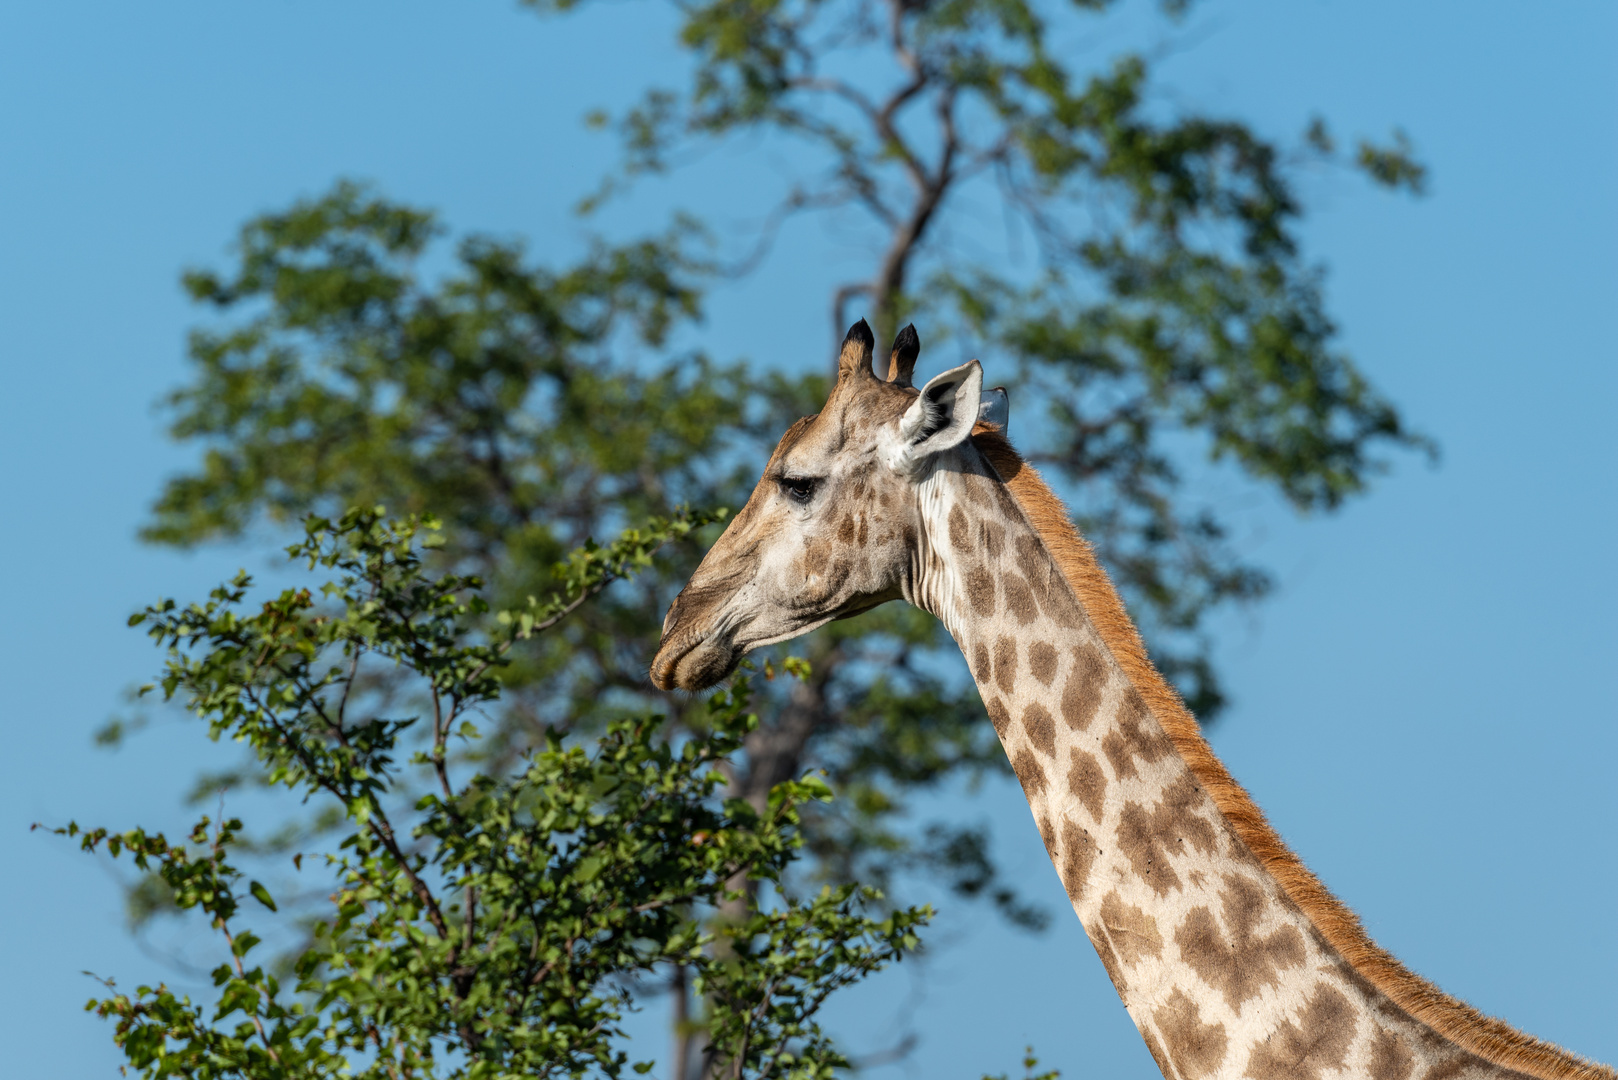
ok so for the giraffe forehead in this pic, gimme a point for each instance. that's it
(816, 446)
(856, 462)
(854, 417)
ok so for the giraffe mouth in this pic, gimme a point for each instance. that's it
(687, 661)
(694, 658)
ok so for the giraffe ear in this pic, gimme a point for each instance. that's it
(943, 413)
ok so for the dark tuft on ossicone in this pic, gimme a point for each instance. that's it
(861, 332)
(902, 364)
(908, 344)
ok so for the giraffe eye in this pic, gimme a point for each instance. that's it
(800, 489)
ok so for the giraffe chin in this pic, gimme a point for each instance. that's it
(697, 668)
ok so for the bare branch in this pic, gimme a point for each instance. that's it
(890, 281)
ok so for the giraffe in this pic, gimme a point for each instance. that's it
(1232, 959)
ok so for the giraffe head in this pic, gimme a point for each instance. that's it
(835, 525)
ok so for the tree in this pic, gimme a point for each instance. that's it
(497, 924)
(1169, 307)
(1169, 295)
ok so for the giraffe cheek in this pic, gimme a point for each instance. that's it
(819, 590)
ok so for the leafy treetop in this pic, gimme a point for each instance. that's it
(494, 925)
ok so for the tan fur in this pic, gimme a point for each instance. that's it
(1488, 1038)
(854, 359)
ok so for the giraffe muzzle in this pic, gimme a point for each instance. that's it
(688, 661)
(703, 632)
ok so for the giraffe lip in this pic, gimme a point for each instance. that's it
(689, 661)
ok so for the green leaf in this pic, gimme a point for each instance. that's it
(261, 894)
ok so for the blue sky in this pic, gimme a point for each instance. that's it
(1423, 709)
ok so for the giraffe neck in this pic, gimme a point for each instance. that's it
(1227, 962)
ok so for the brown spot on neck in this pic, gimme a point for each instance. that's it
(999, 715)
(982, 668)
(1088, 782)
(958, 530)
(1081, 696)
(1316, 1044)
(1042, 662)
(1133, 932)
(1019, 598)
(1134, 735)
(980, 591)
(1196, 1049)
(994, 539)
(1041, 728)
(1150, 839)
(1391, 1057)
(1456, 1064)
(1005, 663)
(1030, 773)
(1079, 853)
(1240, 965)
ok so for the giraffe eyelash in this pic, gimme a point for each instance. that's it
(800, 489)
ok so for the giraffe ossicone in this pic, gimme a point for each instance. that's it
(1231, 957)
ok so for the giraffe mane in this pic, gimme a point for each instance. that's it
(1489, 1038)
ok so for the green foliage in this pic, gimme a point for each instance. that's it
(1168, 317)
(1169, 296)
(496, 925)
(352, 381)
(512, 845)
(493, 390)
